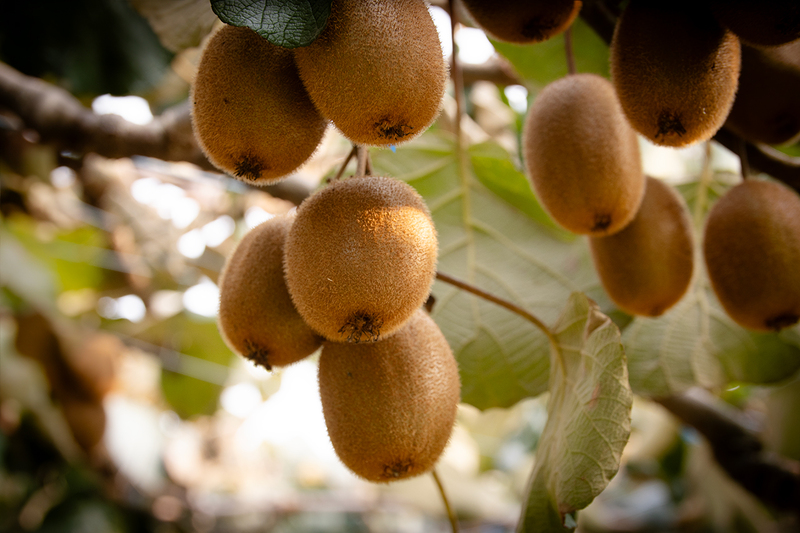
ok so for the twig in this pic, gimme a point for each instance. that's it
(455, 73)
(570, 53)
(450, 514)
(742, 151)
(774, 480)
(499, 301)
(362, 155)
(344, 165)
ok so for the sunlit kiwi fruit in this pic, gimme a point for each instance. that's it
(521, 21)
(256, 316)
(752, 252)
(390, 406)
(582, 156)
(377, 70)
(646, 268)
(250, 113)
(360, 258)
(675, 70)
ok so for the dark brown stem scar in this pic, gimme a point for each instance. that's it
(538, 28)
(389, 129)
(397, 469)
(249, 167)
(601, 221)
(782, 321)
(669, 123)
(258, 354)
(362, 324)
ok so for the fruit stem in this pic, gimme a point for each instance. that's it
(743, 159)
(344, 165)
(450, 514)
(499, 301)
(363, 161)
(706, 177)
(570, 53)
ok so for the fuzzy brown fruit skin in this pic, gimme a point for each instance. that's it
(250, 112)
(767, 105)
(360, 258)
(582, 156)
(752, 253)
(675, 70)
(377, 70)
(646, 268)
(523, 21)
(760, 22)
(256, 316)
(390, 406)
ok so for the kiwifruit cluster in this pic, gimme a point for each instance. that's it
(767, 105)
(646, 267)
(752, 252)
(582, 156)
(523, 21)
(675, 69)
(81, 368)
(353, 266)
(377, 72)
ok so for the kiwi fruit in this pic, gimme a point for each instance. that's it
(646, 268)
(752, 252)
(760, 22)
(767, 105)
(360, 258)
(582, 156)
(250, 113)
(390, 406)
(523, 21)
(256, 316)
(377, 70)
(675, 69)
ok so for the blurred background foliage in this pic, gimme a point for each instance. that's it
(121, 409)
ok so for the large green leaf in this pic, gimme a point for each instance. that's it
(541, 63)
(287, 23)
(588, 418)
(507, 250)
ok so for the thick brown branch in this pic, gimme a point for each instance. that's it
(59, 118)
(774, 480)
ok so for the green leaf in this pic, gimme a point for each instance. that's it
(505, 249)
(588, 418)
(286, 23)
(541, 63)
(194, 363)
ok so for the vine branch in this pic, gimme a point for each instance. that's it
(499, 301)
(774, 480)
